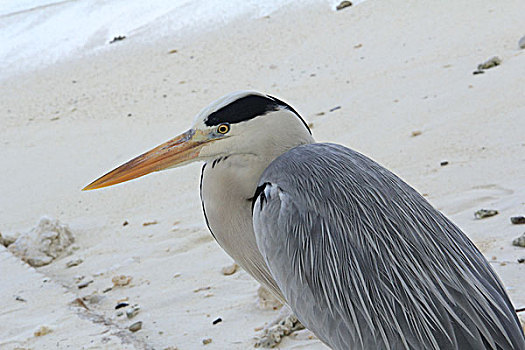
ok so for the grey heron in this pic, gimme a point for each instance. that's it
(362, 259)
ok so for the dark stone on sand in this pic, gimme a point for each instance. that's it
(517, 220)
(121, 305)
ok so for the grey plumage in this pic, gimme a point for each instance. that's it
(366, 262)
(362, 259)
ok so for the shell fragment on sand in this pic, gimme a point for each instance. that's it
(519, 241)
(137, 326)
(485, 213)
(132, 311)
(230, 269)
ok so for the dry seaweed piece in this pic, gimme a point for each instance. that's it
(117, 38)
(490, 63)
(342, 5)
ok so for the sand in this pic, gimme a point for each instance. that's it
(392, 67)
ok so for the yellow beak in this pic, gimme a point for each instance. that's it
(177, 151)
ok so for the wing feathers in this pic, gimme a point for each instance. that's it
(365, 262)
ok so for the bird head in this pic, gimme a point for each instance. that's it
(245, 122)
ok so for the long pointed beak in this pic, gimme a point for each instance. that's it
(177, 151)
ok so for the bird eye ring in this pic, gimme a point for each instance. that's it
(223, 128)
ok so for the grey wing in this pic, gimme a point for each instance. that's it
(366, 263)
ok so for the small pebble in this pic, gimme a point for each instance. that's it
(520, 241)
(485, 213)
(342, 5)
(416, 133)
(107, 289)
(74, 262)
(229, 270)
(125, 223)
(84, 284)
(120, 305)
(132, 311)
(120, 281)
(135, 326)
(444, 163)
(217, 320)
(521, 260)
(19, 298)
(206, 341)
(521, 43)
(517, 220)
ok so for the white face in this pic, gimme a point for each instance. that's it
(249, 129)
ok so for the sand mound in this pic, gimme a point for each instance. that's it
(43, 243)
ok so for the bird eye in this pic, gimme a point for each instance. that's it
(223, 128)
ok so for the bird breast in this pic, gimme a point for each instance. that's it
(227, 188)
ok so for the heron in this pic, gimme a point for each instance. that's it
(361, 258)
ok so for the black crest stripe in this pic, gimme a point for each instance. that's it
(242, 109)
(249, 107)
(287, 106)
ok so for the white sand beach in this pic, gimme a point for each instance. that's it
(393, 80)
